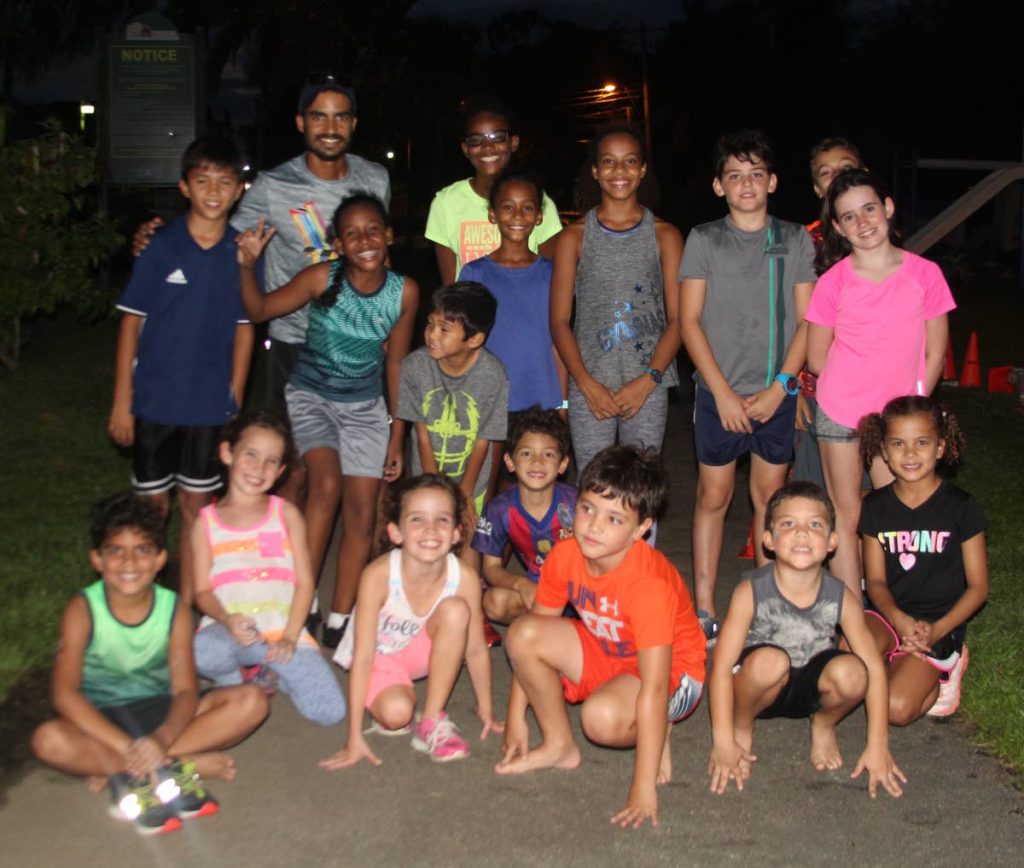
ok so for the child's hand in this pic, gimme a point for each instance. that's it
(140, 240)
(600, 399)
(882, 769)
(393, 461)
(355, 750)
(732, 413)
(143, 756)
(638, 808)
(121, 426)
(516, 742)
(490, 724)
(761, 406)
(280, 651)
(251, 243)
(527, 591)
(731, 762)
(631, 398)
(243, 628)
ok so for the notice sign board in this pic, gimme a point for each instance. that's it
(152, 97)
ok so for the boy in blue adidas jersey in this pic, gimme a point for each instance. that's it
(124, 681)
(531, 516)
(184, 344)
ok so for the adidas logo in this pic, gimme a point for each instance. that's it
(176, 276)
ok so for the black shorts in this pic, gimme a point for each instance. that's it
(281, 358)
(141, 717)
(181, 455)
(799, 696)
(716, 447)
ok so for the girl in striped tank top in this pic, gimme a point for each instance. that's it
(254, 582)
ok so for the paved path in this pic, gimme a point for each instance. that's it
(959, 807)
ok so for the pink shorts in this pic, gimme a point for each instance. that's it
(404, 667)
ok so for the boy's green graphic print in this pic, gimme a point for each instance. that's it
(453, 420)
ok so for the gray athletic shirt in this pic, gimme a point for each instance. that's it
(801, 633)
(457, 411)
(748, 322)
(620, 301)
(300, 206)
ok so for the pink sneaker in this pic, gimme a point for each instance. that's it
(440, 738)
(949, 690)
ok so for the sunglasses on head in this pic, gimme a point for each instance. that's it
(495, 137)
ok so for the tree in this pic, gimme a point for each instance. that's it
(51, 243)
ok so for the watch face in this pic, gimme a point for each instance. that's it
(792, 385)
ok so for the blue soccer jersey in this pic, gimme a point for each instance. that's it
(505, 520)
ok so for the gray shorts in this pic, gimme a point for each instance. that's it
(826, 428)
(358, 430)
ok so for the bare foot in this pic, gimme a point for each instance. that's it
(543, 757)
(97, 783)
(665, 767)
(824, 747)
(214, 765)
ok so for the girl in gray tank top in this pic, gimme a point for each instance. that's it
(620, 351)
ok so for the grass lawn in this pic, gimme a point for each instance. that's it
(58, 461)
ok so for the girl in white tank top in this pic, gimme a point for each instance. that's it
(418, 615)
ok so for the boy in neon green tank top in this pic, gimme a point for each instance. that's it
(124, 682)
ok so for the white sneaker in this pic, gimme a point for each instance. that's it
(949, 690)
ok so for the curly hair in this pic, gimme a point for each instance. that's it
(874, 427)
(535, 420)
(127, 510)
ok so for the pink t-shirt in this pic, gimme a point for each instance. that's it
(878, 350)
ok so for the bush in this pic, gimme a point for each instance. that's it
(51, 241)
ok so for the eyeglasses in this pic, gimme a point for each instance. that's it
(495, 137)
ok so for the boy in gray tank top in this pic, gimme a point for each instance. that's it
(778, 654)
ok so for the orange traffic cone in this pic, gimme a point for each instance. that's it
(970, 375)
(748, 549)
(949, 372)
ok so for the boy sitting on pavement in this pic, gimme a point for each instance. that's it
(531, 516)
(777, 653)
(184, 345)
(456, 394)
(124, 682)
(635, 659)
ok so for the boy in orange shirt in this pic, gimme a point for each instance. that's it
(635, 659)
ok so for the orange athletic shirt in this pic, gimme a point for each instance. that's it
(641, 604)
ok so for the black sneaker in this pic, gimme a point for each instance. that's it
(331, 636)
(193, 799)
(313, 622)
(135, 801)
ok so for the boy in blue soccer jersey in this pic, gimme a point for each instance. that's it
(179, 379)
(531, 516)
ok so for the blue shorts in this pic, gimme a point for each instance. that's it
(716, 447)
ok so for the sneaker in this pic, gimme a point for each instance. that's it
(492, 636)
(376, 729)
(134, 801)
(440, 738)
(949, 690)
(193, 799)
(710, 626)
(331, 636)
(313, 622)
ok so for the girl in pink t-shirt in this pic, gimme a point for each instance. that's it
(877, 329)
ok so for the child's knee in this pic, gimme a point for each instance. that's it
(846, 676)
(766, 667)
(713, 496)
(523, 635)
(325, 488)
(452, 613)
(48, 742)
(903, 710)
(395, 713)
(604, 722)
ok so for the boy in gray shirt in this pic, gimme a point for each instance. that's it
(778, 654)
(746, 280)
(456, 394)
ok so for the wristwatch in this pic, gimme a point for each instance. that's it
(656, 375)
(788, 382)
